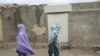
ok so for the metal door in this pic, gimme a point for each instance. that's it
(61, 19)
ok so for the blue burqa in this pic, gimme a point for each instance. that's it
(22, 41)
(54, 29)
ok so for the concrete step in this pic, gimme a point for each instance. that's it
(36, 45)
(65, 46)
(13, 45)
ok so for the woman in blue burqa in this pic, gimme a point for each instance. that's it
(22, 42)
(53, 41)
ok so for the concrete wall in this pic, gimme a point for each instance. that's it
(33, 18)
(86, 6)
(84, 21)
(1, 33)
(8, 23)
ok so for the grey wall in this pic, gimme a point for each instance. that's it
(33, 17)
(84, 21)
(84, 24)
(9, 30)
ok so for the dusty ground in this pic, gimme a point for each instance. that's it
(43, 52)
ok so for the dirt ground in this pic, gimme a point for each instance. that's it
(43, 52)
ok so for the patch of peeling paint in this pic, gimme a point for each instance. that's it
(39, 30)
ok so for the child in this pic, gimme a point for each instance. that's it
(22, 42)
